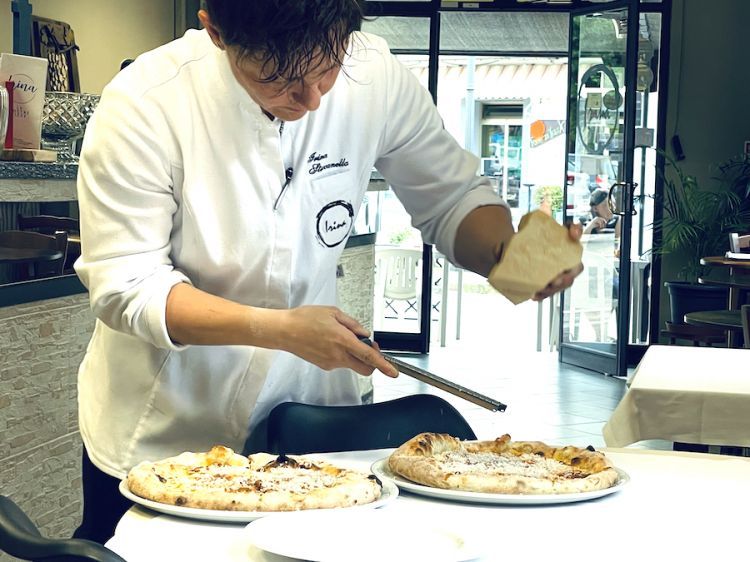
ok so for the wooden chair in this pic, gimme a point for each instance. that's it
(24, 249)
(48, 224)
(696, 334)
(295, 428)
(739, 244)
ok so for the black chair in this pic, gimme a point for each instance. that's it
(745, 315)
(295, 428)
(19, 537)
(36, 255)
(50, 224)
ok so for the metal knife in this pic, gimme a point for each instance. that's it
(441, 383)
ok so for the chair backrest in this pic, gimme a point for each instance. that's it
(19, 537)
(22, 239)
(295, 428)
(739, 243)
(399, 268)
(745, 314)
(48, 224)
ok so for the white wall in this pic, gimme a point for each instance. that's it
(709, 92)
(107, 31)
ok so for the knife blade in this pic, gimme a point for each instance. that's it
(441, 383)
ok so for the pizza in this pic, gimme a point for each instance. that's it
(501, 466)
(221, 479)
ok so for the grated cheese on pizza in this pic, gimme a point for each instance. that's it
(222, 479)
(492, 463)
(501, 466)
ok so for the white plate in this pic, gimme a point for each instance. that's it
(389, 492)
(383, 471)
(364, 536)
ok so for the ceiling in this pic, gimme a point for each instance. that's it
(506, 32)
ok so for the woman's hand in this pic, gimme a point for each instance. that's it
(327, 337)
(597, 223)
(566, 278)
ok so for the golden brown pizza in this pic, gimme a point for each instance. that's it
(221, 479)
(501, 466)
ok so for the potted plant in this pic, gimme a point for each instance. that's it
(696, 223)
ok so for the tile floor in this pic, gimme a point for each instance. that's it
(546, 400)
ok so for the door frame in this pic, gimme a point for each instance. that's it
(582, 354)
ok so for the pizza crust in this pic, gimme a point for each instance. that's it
(501, 466)
(223, 480)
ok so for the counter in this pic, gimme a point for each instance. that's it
(22, 182)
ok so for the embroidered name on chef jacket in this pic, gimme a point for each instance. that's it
(319, 163)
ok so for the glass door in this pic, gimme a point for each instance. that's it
(599, 183)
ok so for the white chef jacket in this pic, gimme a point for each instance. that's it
(179, 181)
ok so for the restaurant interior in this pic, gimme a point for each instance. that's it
(640, 106)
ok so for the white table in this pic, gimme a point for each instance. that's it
(677, 506)
(688, 395)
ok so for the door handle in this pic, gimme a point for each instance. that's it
(622, 202)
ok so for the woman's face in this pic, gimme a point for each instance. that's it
(602, 210)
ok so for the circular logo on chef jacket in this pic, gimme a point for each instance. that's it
(335, 220)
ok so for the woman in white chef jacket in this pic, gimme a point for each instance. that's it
(218, 182)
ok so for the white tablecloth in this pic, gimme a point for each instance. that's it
(677, 506)
(686, 394)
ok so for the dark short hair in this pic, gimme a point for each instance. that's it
(290, 37)
(598, 196)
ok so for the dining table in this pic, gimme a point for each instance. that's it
(687, 395)
(739, 275)
(667, 505)
(724, 319)
(738, 284)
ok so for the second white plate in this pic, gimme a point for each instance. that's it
(382, 470)
(389, 493)
(364, 536)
